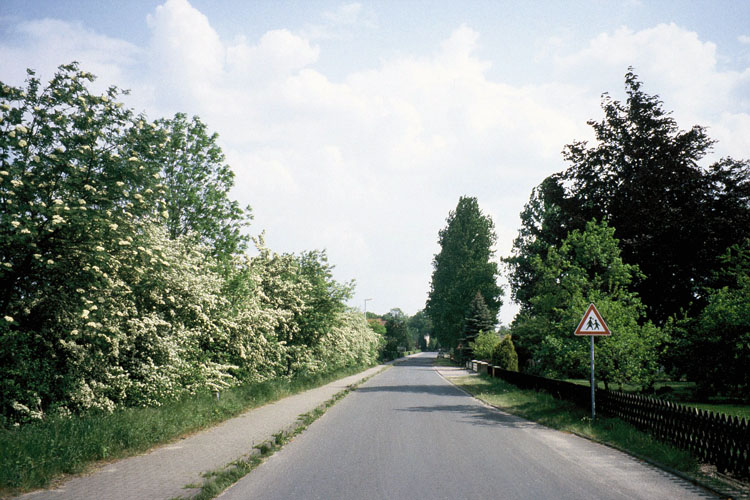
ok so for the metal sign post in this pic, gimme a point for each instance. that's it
(593, 392)
(592, 325)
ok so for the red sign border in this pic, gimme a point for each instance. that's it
(581, 333)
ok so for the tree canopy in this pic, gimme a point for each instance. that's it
(713, 348)
(643, 176)
(478, 318)
(197, 182)
(464, 266)
(396, 331)
(587, 268)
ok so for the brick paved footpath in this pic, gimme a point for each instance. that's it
(163, 472)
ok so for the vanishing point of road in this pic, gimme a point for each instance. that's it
(409, 434)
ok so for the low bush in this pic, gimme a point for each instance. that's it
(504, 355)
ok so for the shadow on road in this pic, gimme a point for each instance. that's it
(437, 390)
(478, 415)
(422, 361)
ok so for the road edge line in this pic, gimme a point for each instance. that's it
(721, 493)
(219, 480)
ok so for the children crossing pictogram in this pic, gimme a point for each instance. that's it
(592, 323)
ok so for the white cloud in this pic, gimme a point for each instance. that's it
(186, 56)
(278, 53)
(674, 63)
(45, 44)
(369, 165)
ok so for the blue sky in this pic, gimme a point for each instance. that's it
(355, 127)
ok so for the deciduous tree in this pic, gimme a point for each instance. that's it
(464, 266)
(587, 268)
(643, 175)
(198, 183)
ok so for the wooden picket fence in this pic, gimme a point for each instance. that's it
(713, 438)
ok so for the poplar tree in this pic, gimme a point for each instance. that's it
(464, 266)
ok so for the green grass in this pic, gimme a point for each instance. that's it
(33, 455)
(444, 362)
(739, 410)
(679, 388)
(682, 393)
(565, 416)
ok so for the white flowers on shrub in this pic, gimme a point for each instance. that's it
(136, 318)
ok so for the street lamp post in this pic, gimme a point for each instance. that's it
(366, 309)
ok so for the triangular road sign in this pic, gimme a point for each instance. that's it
(592, 323)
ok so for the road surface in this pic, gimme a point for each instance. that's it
(409, 434)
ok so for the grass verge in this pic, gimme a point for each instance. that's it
(219, 480)
(34, 455)
(565, 416)
(682, 393)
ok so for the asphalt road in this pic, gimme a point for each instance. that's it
(409, 434)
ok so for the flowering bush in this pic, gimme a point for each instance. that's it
(103, 304)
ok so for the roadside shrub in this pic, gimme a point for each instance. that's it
(112, 294)
(484, 345)
(504, 355)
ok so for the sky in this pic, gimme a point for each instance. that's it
(356, 127)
